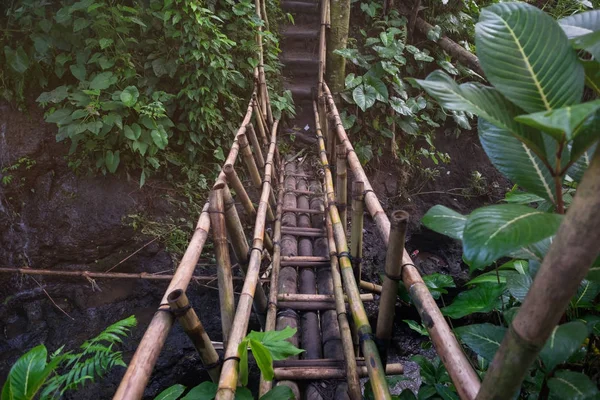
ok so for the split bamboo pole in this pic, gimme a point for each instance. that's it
(341, 176)
(354, 391)
(192, 326)
(371, 287)
(320, 373)
(459, 368)
(226, 300)
(265, 385)
(259, 121)
(393, 274)
(260, 160)
(359, 315)
(141, 365)
(358, 223)
(573, 251)
(229, 373)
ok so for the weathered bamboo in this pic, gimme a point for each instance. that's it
(238, 188)
(189, 321)
(371, 287)
(251, 133)
(358, 223)
(319, 264)
(306, 192)
(320, 373)
(305, 258)
(140, 367)
(573, 251)
(318, 297)
(259, 121)
(300, 229)
(249, 161)
(302, 210)
(341, 188)
(354, 391)
(359, 315)
(460, 370)
(229, 373)
(265, 385)
(393, 274)
(226, 299)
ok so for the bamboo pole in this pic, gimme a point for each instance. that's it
(354, 391)
(371, 287)
(393, 274)
(459, 368)
(249, 161)
(259, 121)
(320, 373)
(359, 315)
(189, 321)
(229, 373)
(573, 251)
(299, 297)
(302, 210)
(141, 365)
(251, 133)
(341, 184)
(226, 300)
(358, 223)
(265, 385)
(318, 264)
(238, 188)
(304, 258)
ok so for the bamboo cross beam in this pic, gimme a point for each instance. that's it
(359, 315)
(303, 210)
(371, 287)
(229, 372)
(450, 351)
(299, 297)
(141, 365)
(326, 372)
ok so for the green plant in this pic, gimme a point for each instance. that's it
(23, 162)
(537, 131)
(33, 371)
(265, 347)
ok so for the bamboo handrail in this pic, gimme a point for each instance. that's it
(450, 351)
(229, 372)
(359, 315)
(141, 365)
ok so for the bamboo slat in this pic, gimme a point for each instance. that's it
(320, 373)
(450, 351)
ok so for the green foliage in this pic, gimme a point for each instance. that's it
(128, 82)
(25, 163)
(32, 371)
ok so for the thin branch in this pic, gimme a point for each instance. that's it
(50, 297)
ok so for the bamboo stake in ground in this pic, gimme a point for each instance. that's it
(226, 299)
(229, 373)
(140, 367)
(342, 184)
(450, 351)
(359, 315)
(393, 274)
(180, 307)
(573, 250)
(358, 223)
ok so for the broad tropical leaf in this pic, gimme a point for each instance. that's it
(364, 96)
(561, 123)
(483, 339)
(493, 232)
(583, 29)
(483, 101)
(445, 221)
(171, 393)
(535, 71)
(263, 359)
(28, 374)
(276, 342)
(562, 343)
(482, 299)
(205, 390)
(571, 385)
(518, 285)
(279, 393)
(492, 277)
(594, 272)
(516, 161)
(437, 284)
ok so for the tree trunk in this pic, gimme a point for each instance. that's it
(337, 39)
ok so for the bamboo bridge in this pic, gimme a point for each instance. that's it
(312, 278)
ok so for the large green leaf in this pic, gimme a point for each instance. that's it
(263, 359)
(443, 220)
(518, 285)
(482, 299)
(364, 96)
(276, 342)
(204, 391)
(586, 294)
(243, 364)
(526, 56)
(483, 339)
(583, 30)
(171, 393)
(562, 343)
(594, 272)
(572, 385)
(561, 123)
(586, 139)
(484, 101)
(281, 392)
(437, 284)
(491, 277)
(494, 231)
(516, 161)
(28, 374)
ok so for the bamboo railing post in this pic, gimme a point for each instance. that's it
(342, 184)
(359, 315)
(459, 368)
(229, 373)
(260, 161)
(393, 274)
(189, 321)
(572, 252)
(356, 239)
(226, 299)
